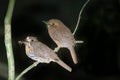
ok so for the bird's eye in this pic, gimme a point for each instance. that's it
(52, 23)
(32, 40)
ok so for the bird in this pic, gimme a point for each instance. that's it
(62, 36)
(40, 52)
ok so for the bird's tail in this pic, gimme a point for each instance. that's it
(73, 54)
(61, 63)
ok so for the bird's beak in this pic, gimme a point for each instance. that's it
(46, 24)
(22, 42)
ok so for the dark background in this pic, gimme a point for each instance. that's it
(99, 55)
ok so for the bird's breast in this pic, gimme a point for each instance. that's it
(28, 49)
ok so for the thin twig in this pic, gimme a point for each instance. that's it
(56, 49)
(8, 41)
(79, 42)
(26, 70)
(78, 21)
(79, 17)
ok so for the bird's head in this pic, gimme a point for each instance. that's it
(28, 39)
(31, 39)
(53, 23)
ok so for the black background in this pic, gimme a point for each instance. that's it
(99, 55)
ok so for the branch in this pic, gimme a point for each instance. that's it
(79, 17)
(8, 41)
(26, 70)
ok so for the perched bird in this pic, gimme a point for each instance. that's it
(62, 36)
(42, 53)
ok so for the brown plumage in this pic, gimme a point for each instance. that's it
(42, 53)
(62, 36)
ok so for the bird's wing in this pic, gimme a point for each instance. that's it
(43, 51)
